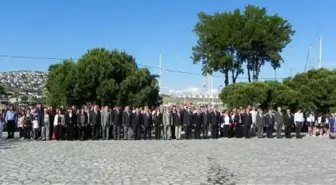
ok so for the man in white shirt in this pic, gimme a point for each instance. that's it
(298, 120)
(254, 117)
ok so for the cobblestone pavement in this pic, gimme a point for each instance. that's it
(225, 161)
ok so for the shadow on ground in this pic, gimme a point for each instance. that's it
(218, 174)
(6, 144)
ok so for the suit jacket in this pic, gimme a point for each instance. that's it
(79, 121)
(260, 120)
(147, 120)
(247, 119)
(127, 118)
(288, 119)
(269, 120)
(167, 118)
(279, 119)
(177, 118)
(214, 119)
(187, 118)
(95, 118)
(205, 118)
(117, 117)
(70, 121)
(105, 118)
(197, 119)
(158, 119)
(136, 120)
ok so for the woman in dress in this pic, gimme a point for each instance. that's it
(28, 125)
(21, 125)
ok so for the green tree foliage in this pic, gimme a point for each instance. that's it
(317, 89)
(2, 90)
(101, 77)
(228, 40)
(24, 98)
(313, 90)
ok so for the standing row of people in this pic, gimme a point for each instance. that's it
(140, 123)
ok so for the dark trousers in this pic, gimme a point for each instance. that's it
(96, 131)
(10, 128)
(59, 132)
(188, 132)
(21, 131)
(137, 132)
(288, 131)
(51, 130)
(231, 131)
(205, 131)
(77, 132)
(83, 132)
(214, 131)
(116, 132)
(198, 132)
(89, 131)
(247, 131)
(173, 132)
(269, 132)
(70, 128)
(226, 131)
(157, 132)
(298, 129)
(27, 132)
(148, 134)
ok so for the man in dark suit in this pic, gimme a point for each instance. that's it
(205, 122)
(117, 122)
(95, 119)
(136, 124)
(158, 123)
(147, 123)
(197, 121)
(288, 122)
(40, 112)
(127, 123)
(187, 122)
(214, 120)
(247, 122)
(269, 122)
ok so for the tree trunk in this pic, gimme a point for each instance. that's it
(248, 71)
(226, 78)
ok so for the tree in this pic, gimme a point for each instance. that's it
(267, 37)
(260, 94)
(102, 77)
(215, 48)
(317, 89)
(24, 98)
(228, 40)
(2, 91)
(60, 83)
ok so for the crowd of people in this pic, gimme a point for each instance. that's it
(166, 122)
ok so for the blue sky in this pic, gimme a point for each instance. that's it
(142, 28)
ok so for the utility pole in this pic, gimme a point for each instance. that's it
(310, 65)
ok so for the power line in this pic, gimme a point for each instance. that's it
(143, 65)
